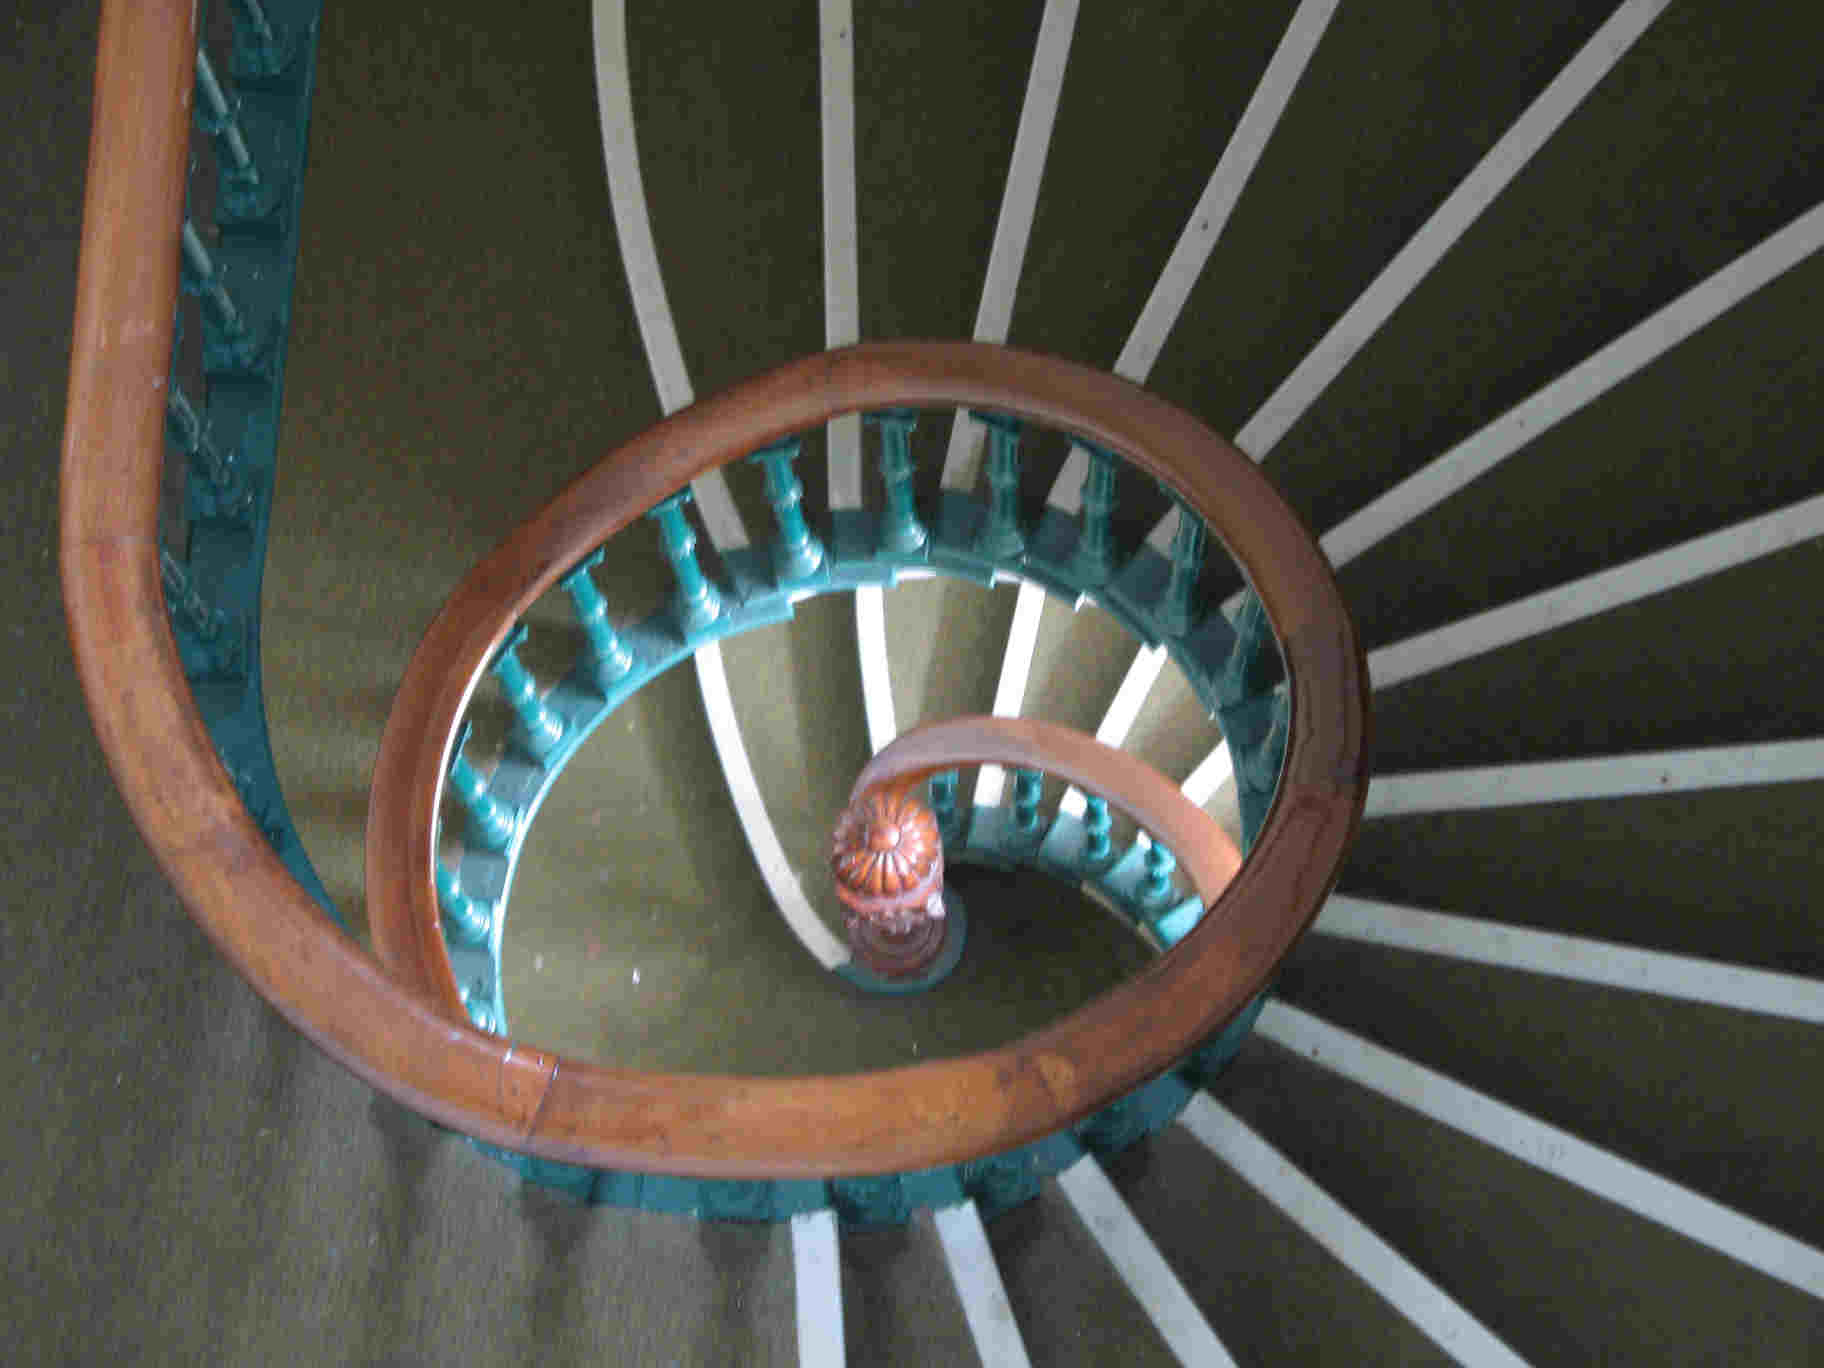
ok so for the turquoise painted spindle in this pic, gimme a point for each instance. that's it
(539, 727)
(901, 533)
(1178, 613)
(1094, 560)
(609, 658)
(222, 471)
(491, 822)
(1156, 887)
(1097, 824)
(466, 920)
(217, 116)
(1000, 537)
(697, 602)
(796, 553)
(1027, 786)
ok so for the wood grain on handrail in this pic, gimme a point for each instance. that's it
(1207, 854)
(942, 1111)
(401, 1027)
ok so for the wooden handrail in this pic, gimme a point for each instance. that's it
(403, 1030)
(1207, 853)
(942, 1111)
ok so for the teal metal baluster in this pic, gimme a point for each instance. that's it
(1097, 824)
(233, 497)
(466, 920)
(260, 50)
(232, 346)
(491, 822)
(1156, 888)
(1177, 614)
(1027, 786)
(539, 727)
(475, 1001)
(942, 790)
(217, 115)
(1094, 561)
(1000, 537)
(697, 602)
(609, 658)
(217, 634)
(1248, 671)
(900, 530)
(797, 553)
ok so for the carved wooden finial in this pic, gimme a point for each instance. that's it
(888, 859)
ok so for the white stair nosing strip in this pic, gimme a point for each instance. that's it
(1223, 190)
(1221, 193)
(979, 1288)
(1147, 1275)
(640, 257)
(1583, 384)
(1607, 776)
(744, 792)
(1421, 1301)
(1122, 712)
(1013, 229)
(721, 521)
(876, 668)
(841, 259)
(1576, 958)
(1567, 603)
(1544, 1146)
(627, 200)
(1212, 772)
(1414, 261)
(817, 1289)
(1198, 239)
(1010, 689)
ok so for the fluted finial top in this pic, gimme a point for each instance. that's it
(886, 852)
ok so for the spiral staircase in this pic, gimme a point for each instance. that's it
(1511, 306)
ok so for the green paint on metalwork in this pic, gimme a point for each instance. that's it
(797, 554)
(228, 431)
(696, 603)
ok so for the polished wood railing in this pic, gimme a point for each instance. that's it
(400, 1025)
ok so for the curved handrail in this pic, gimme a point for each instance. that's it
(1207, 853)
(938, 1112)
(412, 1042)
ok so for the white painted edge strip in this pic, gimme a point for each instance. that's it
(1369, 1257)
(744, 791)
(1013, 229)
(1223, 190)
(721, 520)
(1198, 239)
(817, 1289)
(1573, 957)
(640, 257)
(1192, 250)
(1140, 1265)
(1212, 772)
(1606, 776)
(978, 1287)
(1553, 608)
(876, 672)
(1554, 1151)
(1375, 305)
(1576, 388)
(627, 198)
(1122, 713)
(1010, 689)
(841, 261)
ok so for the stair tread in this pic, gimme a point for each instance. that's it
(1546, 1266)
(1654, 1080)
